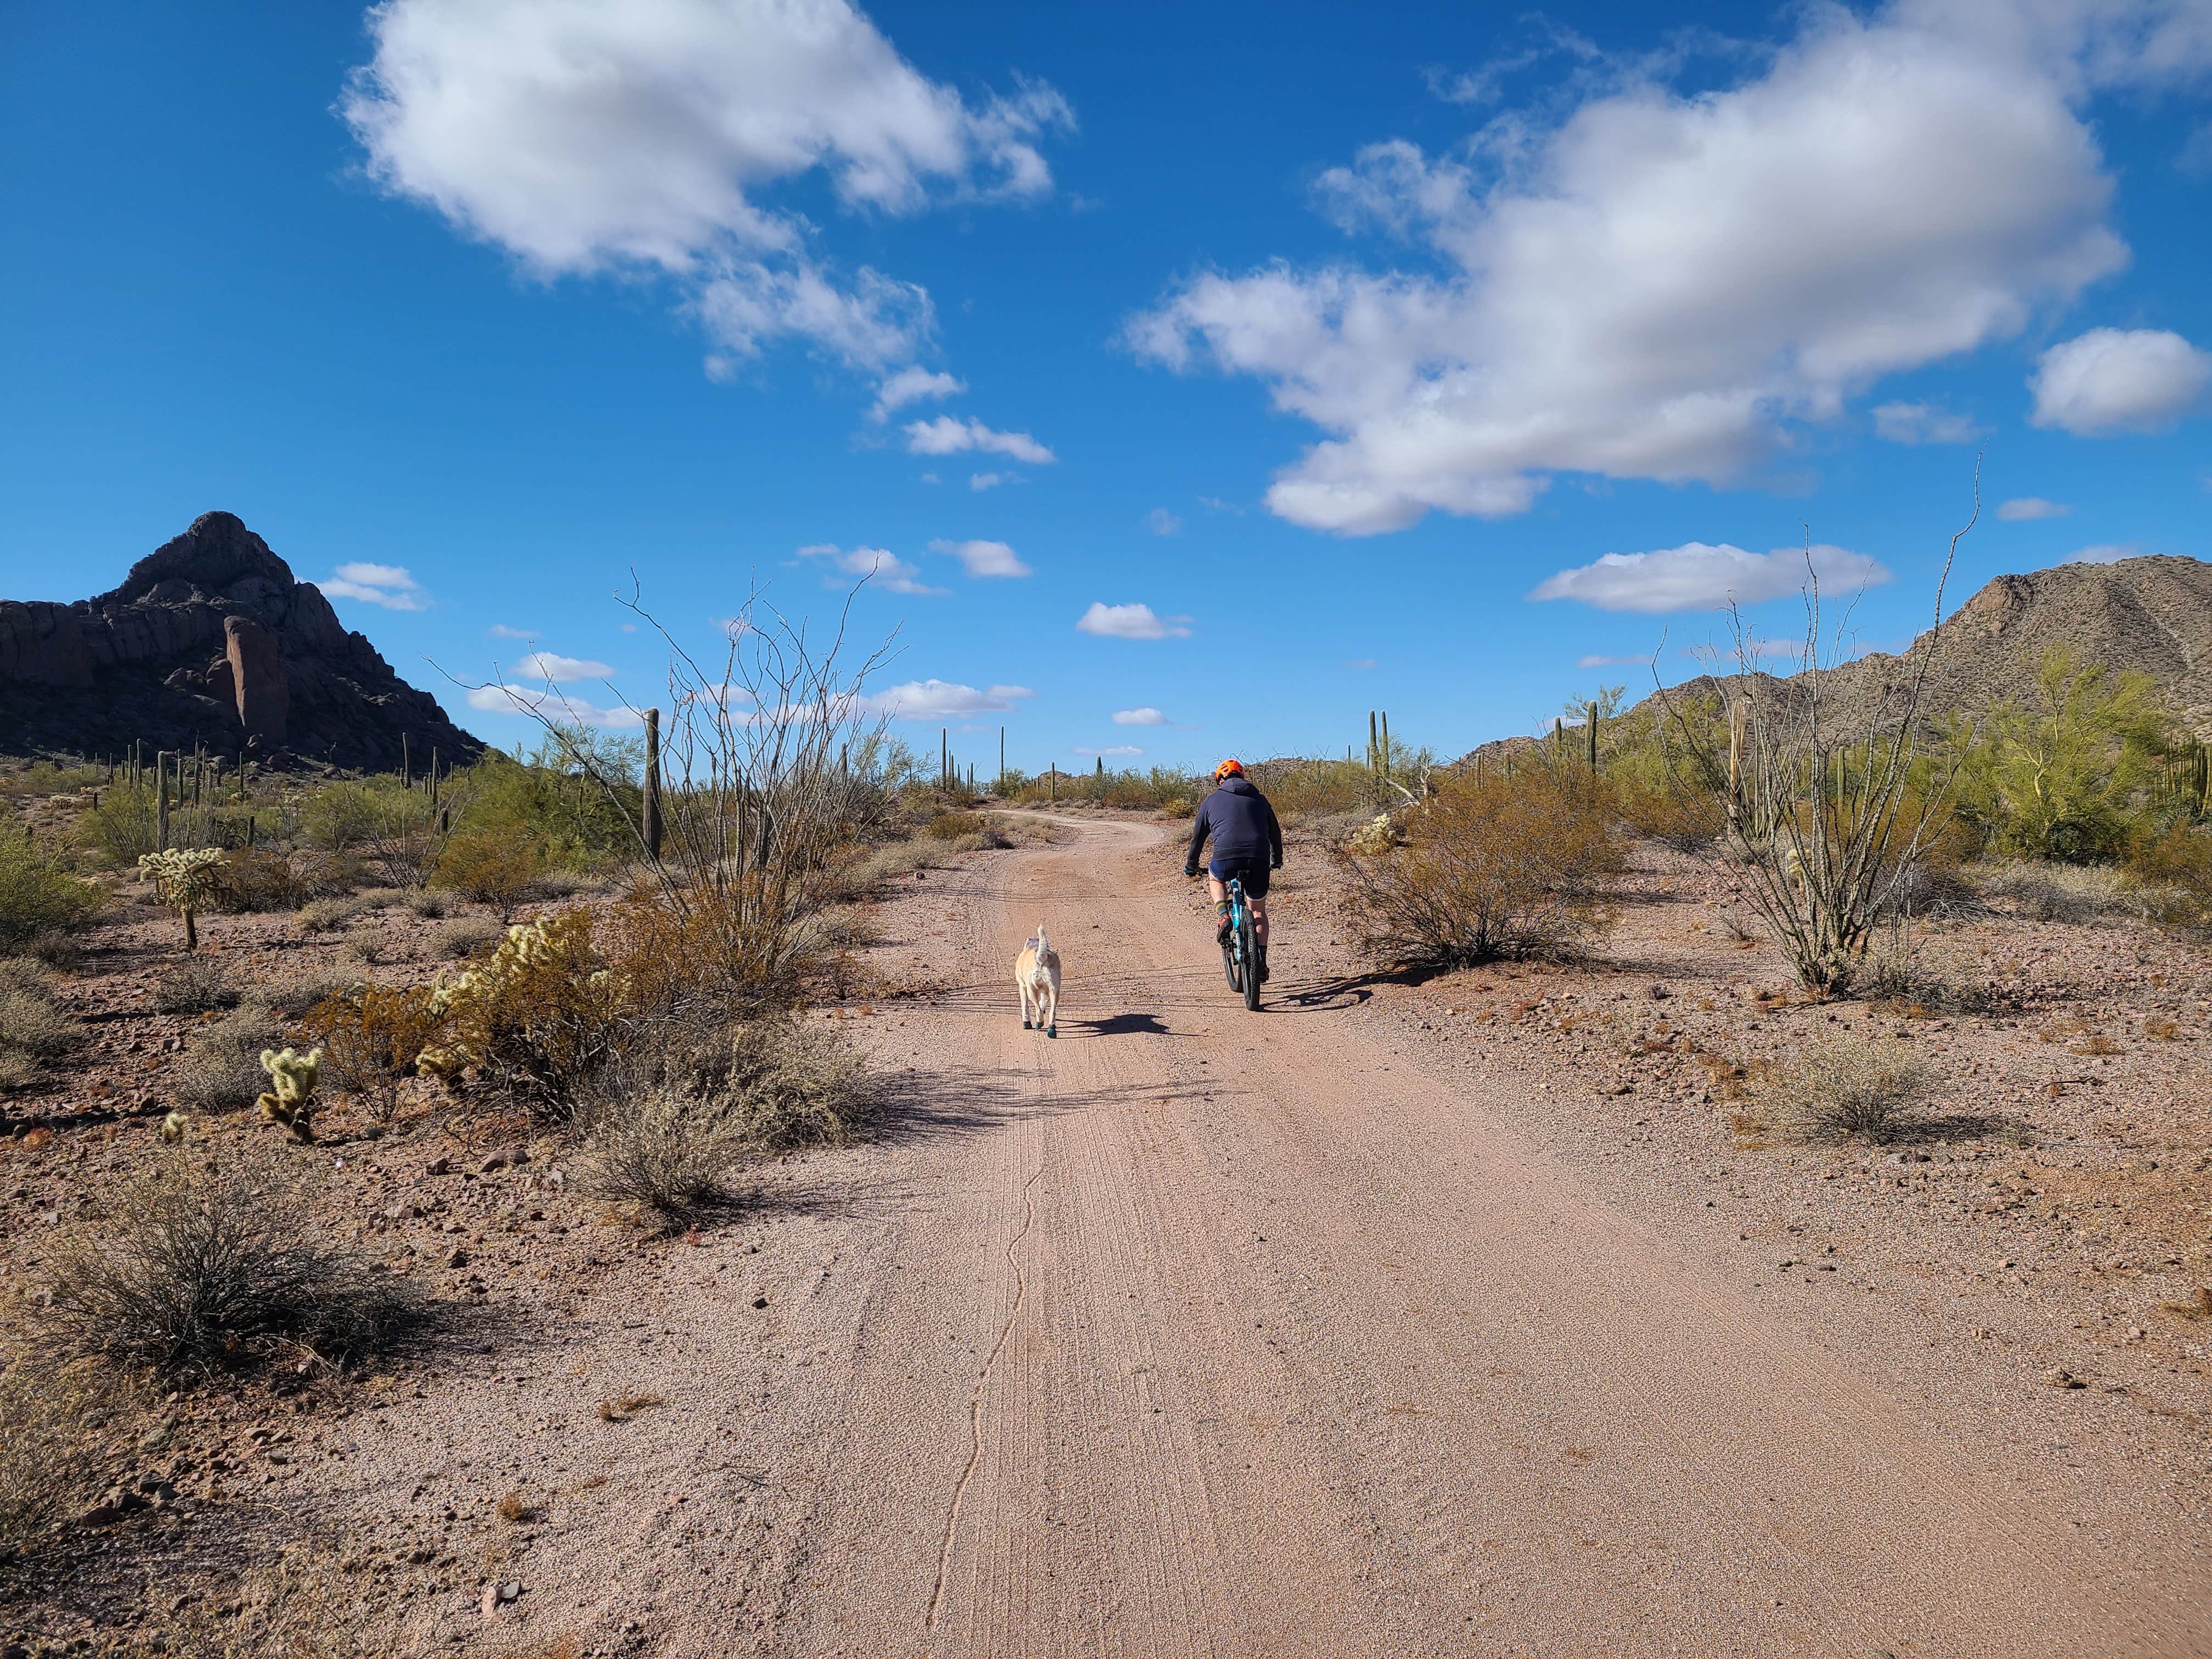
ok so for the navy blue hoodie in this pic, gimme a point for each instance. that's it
(1241, 823)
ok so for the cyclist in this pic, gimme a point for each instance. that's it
(1248, 843)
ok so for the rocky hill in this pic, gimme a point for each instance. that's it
(2153, 614)
(211, 642)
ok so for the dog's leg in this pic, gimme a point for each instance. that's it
(1050, 1010)
(1022, 986)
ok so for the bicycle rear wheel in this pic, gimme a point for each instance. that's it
(1248, 942)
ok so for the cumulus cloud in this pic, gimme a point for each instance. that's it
(979, 482)
(948, 435)
(2104, 553)
(983, 558)
(938, 700)
(913, 383)
(549, 705)
(551, 665)
(2111, 380)
(877, 565)
(1131, 622)
(501, 631)
(1699, 577)
(654, 135)
(1161, 522)
(1147, 716)
(1663, 286)
(2020, 507)
(387, 585)
(1923, 423)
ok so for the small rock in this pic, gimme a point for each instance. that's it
(157, 1438)
(457, 1258)
(443, 1166)
(488, 1603)
(509, 1591)
(102, 1514)
(2059, 1378)
(506, 1158)
(1659, 994)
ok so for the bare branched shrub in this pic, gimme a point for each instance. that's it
(1827, 810)
(1848, 1085)
(491, 868)
(291, 997)
(663, 1151)
(1491, 866)
(371, 1037)
(46, 1465)
(199, 985)
(223, 1063)
(194, 1273)
(784, 1082)
(328, 915)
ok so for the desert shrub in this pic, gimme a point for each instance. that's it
(1491, 866)
(37, 896)
(258, 879)
(125, 825)
(869, 871)
(1848, 1085)
(429, 904)
(47, 1464)
(199, 986)
(327, 915)
(465, 936)
(196, 1274)
(1686, 819)
(662, 1150)
(292, 998)
(2170, 877)
(2055, 892)
(490, 868)
(950, 826)
(2052, 777)
(222, 1068)
(560, 884)
(371, 1037)
(783, 1081)
(1178, 806)
(33, 1029)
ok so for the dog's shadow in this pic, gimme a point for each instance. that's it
(1119, 1025)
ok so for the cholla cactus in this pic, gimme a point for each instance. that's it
(1378, 835)
(291, 1101)
(187, 879)
(531, 1019)
(173, 1128)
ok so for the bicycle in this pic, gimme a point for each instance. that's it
(1240, 952)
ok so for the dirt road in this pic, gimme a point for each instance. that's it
(1203, 1332)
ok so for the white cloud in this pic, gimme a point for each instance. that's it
(938, 700)
(387, 585)
(1130, 621)
(1161, 522)
(1215, 504)
(912, 384)
(551, 665)
(1699, 577)
(1117, 749)
(948, 435)
(549, 705)
(651, 135)
(1663, 286)
(1644, 661)
(2104, 553)
(983, 558)
(2020, 507)
(2110, 380)
(1923, 423)
(1147, 716)
(878, 566)
(501, 631)
(982, 481)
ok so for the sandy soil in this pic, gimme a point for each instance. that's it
(1394, 1320)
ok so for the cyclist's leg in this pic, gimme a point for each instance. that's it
(1219, 889)
(1259, 918)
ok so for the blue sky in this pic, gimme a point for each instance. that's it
(1287, 351)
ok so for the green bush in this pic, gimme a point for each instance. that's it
(37, 896)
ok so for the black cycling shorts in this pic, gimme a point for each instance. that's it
(1253, 872)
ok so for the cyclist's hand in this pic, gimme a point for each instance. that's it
(1277, 865)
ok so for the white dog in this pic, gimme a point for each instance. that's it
(1036, 976)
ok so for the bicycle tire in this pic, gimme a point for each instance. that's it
(1229, 965)
(1249, 943)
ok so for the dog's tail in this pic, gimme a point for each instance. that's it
(1043, 945)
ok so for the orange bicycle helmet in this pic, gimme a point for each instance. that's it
(1228, 768)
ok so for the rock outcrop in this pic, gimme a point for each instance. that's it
(211, 641)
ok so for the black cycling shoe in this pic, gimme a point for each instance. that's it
(1221, 933)
(1263, 964)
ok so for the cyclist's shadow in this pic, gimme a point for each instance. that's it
(1119, 1025)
